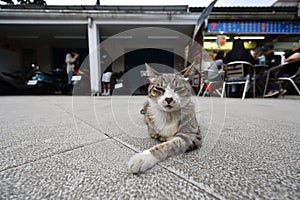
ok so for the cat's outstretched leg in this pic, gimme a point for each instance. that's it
(141, 162)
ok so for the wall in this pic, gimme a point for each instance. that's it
(9, 60)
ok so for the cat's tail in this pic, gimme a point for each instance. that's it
(141, 162)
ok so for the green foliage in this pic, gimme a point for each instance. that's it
(39, 2)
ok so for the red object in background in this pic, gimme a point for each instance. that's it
(213, 25)
(263, 26)
(211, 87)
(221, 40)
(297, 47)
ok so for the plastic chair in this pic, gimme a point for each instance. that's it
(291, 68)
(235, 74)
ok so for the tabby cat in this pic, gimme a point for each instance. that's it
(170, 117)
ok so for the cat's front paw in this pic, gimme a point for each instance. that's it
(141, 162)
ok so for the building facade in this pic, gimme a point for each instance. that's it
(44, 34)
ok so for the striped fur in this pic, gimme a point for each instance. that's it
(170, 117)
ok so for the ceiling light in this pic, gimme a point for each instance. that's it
(23, 36)
(163, 37)
(118, 37)
(250, 37)
(72, 37)
(214, 37)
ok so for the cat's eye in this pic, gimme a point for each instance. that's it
(178, 89)
(159, 89)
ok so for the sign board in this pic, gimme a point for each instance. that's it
(255, 26)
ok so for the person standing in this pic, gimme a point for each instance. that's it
(71, 59)
(106, 76)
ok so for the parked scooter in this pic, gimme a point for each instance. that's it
(43, 82)
(12, 82)
(79, 75)
(81, 82)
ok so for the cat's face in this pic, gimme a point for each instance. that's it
(170, 92)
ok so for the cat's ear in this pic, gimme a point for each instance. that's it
(151, 72)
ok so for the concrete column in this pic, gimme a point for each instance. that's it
(94, 57)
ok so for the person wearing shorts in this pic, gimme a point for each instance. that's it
(106, 77)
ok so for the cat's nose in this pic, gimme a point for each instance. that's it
(169, 100)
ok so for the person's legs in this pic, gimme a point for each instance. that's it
(106, 83)
(104, 88)
(286, 83)
(70, 75)
(70, 85)
(108, 88)
(273, 88)
(234, 86)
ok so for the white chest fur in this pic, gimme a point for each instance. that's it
(166, 123)
(169, 129)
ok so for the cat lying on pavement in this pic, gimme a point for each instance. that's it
(170, 117)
